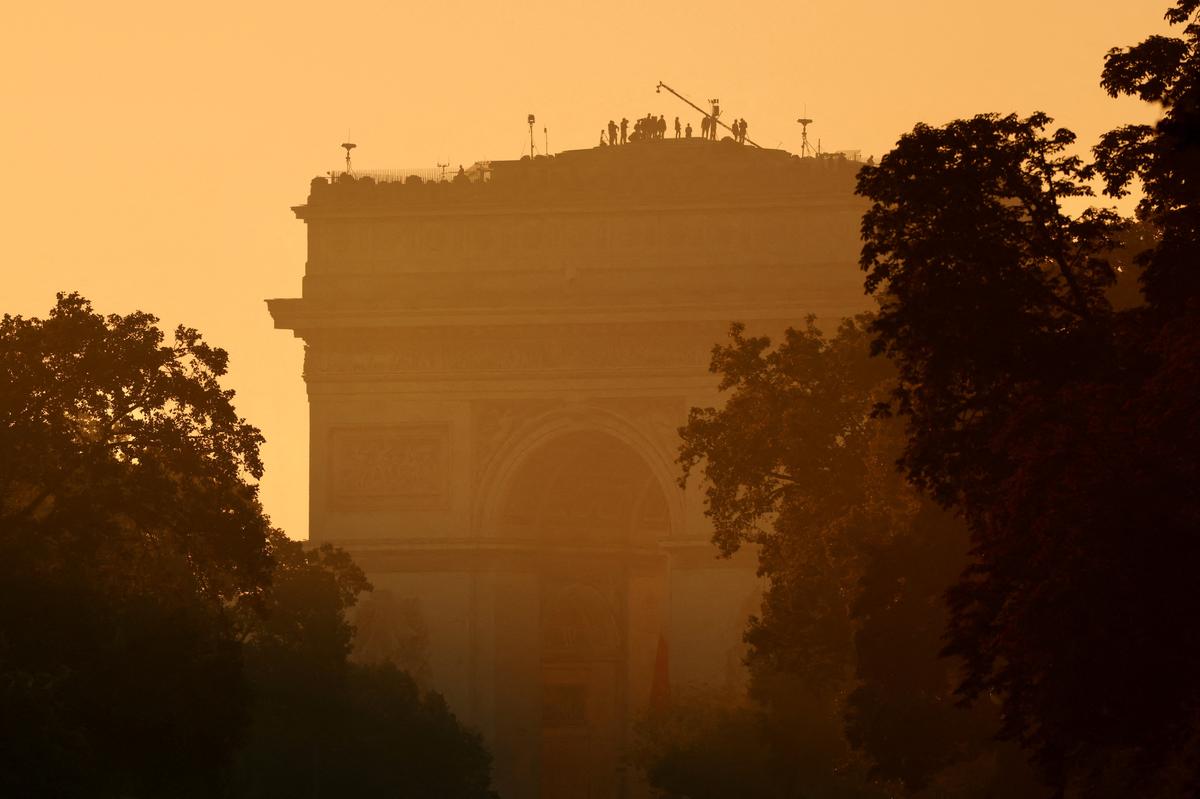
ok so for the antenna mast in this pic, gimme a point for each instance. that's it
(806, 150)
(658, 90)
(348, 145)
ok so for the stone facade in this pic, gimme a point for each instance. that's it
(496, 372)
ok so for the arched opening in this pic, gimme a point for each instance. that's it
(585, 488)
(591, 511)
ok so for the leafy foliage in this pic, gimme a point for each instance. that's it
(985, 284)
(323, 726)
(129, 525)
(1164, 158)
(158, 637)
(1063, 429)
(857, 563)
(714, 746)
(104, 423)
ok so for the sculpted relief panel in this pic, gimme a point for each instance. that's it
(397, 467)
(578, 623)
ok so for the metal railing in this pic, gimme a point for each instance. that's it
(425, 174)
(476, 172)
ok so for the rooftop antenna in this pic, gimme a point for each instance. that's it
(806, 149)
(531, 120)
(348, 146)
(443, 168)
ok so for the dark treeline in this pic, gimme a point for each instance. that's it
(157, 636)
(1012, 611)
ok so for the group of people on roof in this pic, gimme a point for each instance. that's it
(651, 127)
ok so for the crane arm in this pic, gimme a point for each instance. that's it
(662, 85)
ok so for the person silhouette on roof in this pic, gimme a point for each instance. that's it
(677, 127)
(612, 132)
(688, 130)
(624, 130)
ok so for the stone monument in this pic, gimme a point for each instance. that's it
(497, 367)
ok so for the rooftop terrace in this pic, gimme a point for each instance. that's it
(687, 171)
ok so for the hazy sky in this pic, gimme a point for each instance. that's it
(154, 150)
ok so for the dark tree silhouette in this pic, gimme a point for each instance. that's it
(858, 562)
(985, 284)
(157, 636)
(705, 747)
(325, 727)
(1165, 157)
(129, 524)
(1064, 429)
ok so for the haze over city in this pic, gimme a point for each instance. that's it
(156, 151)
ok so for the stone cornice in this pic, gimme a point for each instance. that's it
(304, 315)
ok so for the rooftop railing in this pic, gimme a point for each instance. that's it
(476, 171)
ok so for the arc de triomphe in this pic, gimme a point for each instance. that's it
(497, 367)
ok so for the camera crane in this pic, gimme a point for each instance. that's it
(713, 114)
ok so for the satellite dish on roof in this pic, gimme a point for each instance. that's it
(806, 149)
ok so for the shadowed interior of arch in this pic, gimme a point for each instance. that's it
(585, 488)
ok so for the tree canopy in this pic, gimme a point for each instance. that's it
(1062, 428)
(1045, 395)
(844, 654)
(158, 637)
(129, 524)
(322, 725)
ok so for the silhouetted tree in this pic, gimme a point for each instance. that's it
(153, 624)
(706, 746)
(324, 727)
(984, 282)
(902, 714)
(851, 621)
(1065, 431)
(129, 524)
(1164, 157)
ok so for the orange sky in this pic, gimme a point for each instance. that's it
(154, 149)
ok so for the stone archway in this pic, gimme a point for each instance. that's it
(584, 488)
(591, 511)
(519, 443)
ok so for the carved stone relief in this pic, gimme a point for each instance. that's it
(578, 622)
(403, 467)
